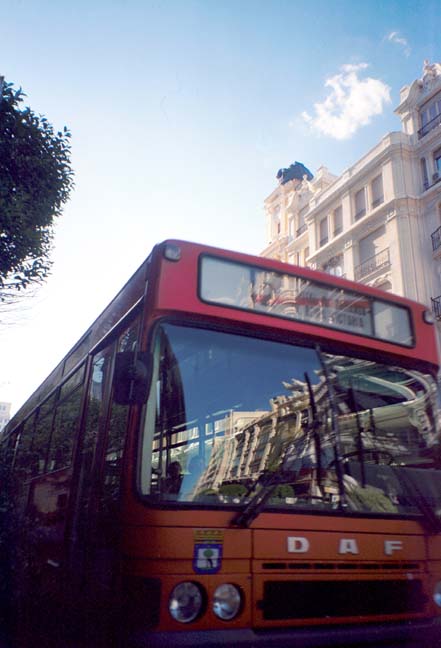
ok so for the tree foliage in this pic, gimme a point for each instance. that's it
(35, 183)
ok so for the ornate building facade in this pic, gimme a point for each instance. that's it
(380, 221)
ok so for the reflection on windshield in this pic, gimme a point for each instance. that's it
(228, 415)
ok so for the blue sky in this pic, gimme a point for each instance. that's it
(181, 113)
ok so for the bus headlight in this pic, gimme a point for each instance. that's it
(437, 594)
(227, 601)
(172, 252)
(186, 602)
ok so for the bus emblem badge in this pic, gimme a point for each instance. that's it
(207, 554)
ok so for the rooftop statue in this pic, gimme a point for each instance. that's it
(430, 73)
(296, 171)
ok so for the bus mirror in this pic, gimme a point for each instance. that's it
(131, 377)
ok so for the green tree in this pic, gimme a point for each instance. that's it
(36, 179)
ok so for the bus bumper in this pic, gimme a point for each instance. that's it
(397, 635)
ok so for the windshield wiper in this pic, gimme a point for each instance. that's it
(360, 445)
(269, 480)
(315, 431)
(335, 431)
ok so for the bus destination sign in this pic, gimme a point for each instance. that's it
(294, 297)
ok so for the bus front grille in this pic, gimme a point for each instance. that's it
(331, 599)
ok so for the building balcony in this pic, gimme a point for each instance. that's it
(433, 123)
(323, 241)
(436, 307)
(377, 201)
(374, 263)
(436, 239)
(301, 230)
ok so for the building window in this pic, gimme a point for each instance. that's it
(424, 174)
(323, 231)
(377, 191)
(338, 221)
(437, 165)
(430, 116)
(436, 235)
(360, 204)
(374, 254)
(436, 239)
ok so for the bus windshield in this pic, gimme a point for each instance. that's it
(231, 416)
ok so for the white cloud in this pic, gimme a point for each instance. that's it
(351, 103)
(394, 37)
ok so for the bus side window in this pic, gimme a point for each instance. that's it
(7, 458)
(11, 450)
(43, 431)
(113, 458)
(117, 428)
(66, 420)
(24, 464)
(95, 414)
(40, 442)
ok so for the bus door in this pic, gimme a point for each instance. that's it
(96, 518)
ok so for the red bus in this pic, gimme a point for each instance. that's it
(237, 452)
